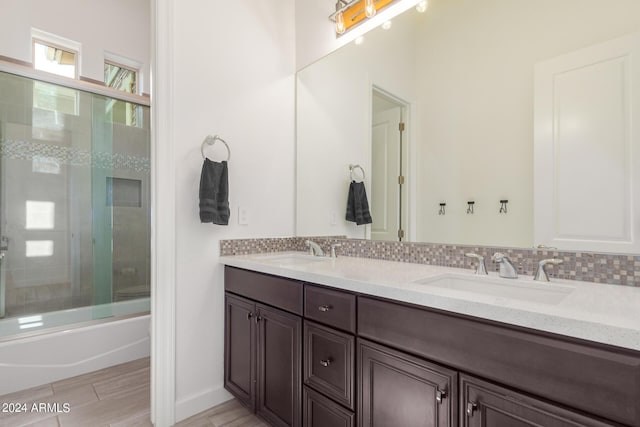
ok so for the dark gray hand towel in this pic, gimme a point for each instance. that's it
(214, 192)
(357, 204)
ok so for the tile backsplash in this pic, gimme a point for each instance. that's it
(587, 266)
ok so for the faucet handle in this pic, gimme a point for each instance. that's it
(481, 268)
(498, 257)
(333, 249)
(541, 272)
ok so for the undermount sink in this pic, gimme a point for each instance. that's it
(514, 289)
(294, 259)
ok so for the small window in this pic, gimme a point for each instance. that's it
(120, 77)
(54, 59)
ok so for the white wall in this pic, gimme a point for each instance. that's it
(119, 27)
(233, 76)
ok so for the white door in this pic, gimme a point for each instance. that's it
(385, 169)
(586, 151)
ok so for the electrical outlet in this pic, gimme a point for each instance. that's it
(243, 216)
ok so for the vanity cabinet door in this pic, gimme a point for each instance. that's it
(396, 389)
(279, 366)
(239, 354)
(484, 404)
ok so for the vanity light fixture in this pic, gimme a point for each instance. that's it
(350, 13)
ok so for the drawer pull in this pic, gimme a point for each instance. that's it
(471, 408)
(440, 394)
(326, 362)
(324, 308)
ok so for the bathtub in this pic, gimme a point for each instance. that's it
(72, 343)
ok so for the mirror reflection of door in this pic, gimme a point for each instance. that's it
(388, 167)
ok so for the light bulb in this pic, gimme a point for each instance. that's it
(369, 8)
(422, 6)
(359, 40)
(340, 28)
(386, 25)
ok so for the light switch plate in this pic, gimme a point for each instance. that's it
(243, 216)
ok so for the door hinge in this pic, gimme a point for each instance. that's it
(401, 126)
(401, 179)
(401, 234)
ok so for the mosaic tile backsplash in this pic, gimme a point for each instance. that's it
(586, 266)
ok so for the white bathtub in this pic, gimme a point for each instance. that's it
(84, 345)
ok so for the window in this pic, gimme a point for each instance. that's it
(120, 77)
(54, 59)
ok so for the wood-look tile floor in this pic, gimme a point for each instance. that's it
(118, 396)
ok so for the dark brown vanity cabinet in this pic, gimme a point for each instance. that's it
(263, 355)
(396, 389)
(588, 377)
(302, 354)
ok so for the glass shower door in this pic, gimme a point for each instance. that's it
(74, 204)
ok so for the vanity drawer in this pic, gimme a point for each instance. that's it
(328, 362)
(318, 411)
(333, 308)
(597, 379)
(272, 290)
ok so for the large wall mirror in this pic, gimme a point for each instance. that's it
(461, 79)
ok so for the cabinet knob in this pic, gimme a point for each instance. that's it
(440, 394)
(326, 362)
(249, 315)
(324, 308)
(471, 408)
(259, 318)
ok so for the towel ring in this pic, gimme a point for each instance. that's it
(210, 140)
(351, 169)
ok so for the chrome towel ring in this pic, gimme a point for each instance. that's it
(352, 168)
(210, 140)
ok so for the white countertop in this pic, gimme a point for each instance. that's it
(608, 314)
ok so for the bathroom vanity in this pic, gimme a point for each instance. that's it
(343, 342)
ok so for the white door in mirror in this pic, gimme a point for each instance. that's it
(586, 150)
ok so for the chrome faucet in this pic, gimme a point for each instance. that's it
(541, 272)
(481, 268)
(314, 248)
(507, 269)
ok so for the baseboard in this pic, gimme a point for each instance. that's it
(198, 402)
